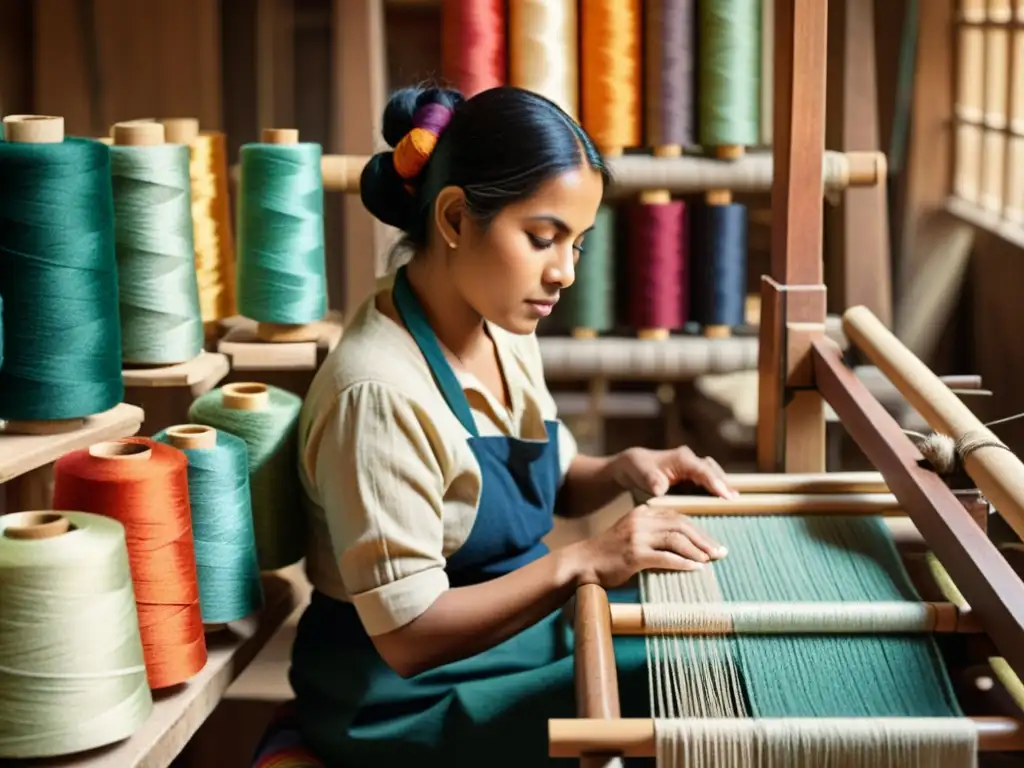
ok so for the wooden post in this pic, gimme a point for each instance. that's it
(792, 419)
(597, 684)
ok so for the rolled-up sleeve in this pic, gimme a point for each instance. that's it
(381, 488)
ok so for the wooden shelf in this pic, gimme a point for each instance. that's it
(179, 712)
(208, 366)
(249, 353)
(20, 454)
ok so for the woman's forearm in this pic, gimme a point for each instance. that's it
(589, 485)
(468, 620)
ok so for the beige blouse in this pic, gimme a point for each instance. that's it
(391, 481)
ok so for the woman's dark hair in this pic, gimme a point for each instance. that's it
(500, 146)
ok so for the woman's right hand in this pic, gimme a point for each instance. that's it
(645, 539)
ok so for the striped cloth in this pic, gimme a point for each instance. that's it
(281, 746)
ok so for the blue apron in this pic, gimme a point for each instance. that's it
(490, 709)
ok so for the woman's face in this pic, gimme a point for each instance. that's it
(513, 270)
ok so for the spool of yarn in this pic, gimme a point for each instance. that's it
(473, 44)
(143, 485)
(611, 73)
(159, 293)
(543, 50)
(658, 303)
(720, 272)
(222, 528)
(590, 299)
(72, 675)
(730, 98)
(62, 340)
(212, 234)
(282, 276)
(266, 418)
(669, 40)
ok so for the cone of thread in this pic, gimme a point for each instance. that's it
(143, 485)
(67, 614)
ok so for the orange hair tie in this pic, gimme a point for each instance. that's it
(413, 151)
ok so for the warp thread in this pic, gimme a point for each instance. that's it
(227, 567)
(542, 39)
(161, 322)
(473, 44)
(59, 281)
(269, 427)
(72, 674)
(282, 274)
(143, 485)
(611, 73)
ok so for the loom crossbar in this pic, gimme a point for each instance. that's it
(634, 737)
(800, 618)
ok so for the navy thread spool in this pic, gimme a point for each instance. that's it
(720, 272)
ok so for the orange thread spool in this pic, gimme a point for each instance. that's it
(144, 485)
(611, 73)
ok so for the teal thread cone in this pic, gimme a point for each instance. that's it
(730, 70)
(271, 435)
(159, 291)
(591, 299)
(58, 281)
(227, 566)
(282, 275)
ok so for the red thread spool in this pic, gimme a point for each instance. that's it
(658, 275)
(473, 44)
(144, 485)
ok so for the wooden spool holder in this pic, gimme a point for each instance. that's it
(245, 396)
(166, 390)
(800, 370)
(284, 355)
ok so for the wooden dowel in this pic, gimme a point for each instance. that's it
(782, 504)
(628, 619)
(997, 472)
(634, 737)
(597, 682)
(809, 482)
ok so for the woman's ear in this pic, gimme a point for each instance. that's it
(449, 209)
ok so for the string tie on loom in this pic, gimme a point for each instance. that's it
(414, 150)
(72, 674)
(143, 485)
(947, 456)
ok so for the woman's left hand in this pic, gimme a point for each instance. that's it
(654, 472)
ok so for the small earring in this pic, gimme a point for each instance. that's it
(451, 244)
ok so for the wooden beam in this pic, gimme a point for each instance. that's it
(799, 141)
(359, 97)
(597, 684)
(858, 261)
(992, 588)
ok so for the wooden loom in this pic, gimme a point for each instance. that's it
(800, 369)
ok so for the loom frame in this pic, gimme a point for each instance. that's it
(799, 370)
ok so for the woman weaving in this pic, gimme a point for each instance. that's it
(434, 459)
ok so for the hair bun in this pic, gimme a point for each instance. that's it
(388, 180)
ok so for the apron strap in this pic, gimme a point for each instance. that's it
(411, 312)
